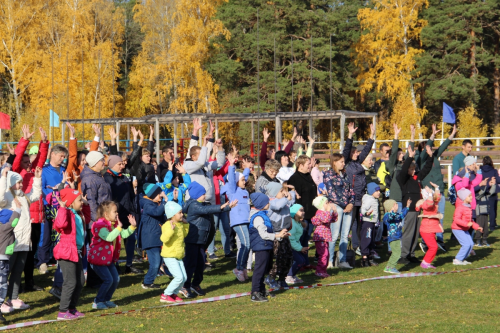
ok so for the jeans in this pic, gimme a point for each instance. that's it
(129, 248)
(306, 235)
(299, 260)
(110, 279)
(342, 226)
(43, 254)
(154, 259)
(244, 245)
(222, 223)
(4, 276)
(466, 242)
(176, 268)
(73, 283)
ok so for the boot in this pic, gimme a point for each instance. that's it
(372, 262)
(364, 262)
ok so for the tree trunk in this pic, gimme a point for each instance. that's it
(496, 85)
(472, 62)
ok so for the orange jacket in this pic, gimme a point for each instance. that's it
(73, 161)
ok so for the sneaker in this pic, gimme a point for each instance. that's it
(403, 261)
(458, 262)
(268, 294)
(358, 251)
(167, 299)
(77, 313)
(374, 255)
(66, 316)
(467, 262)
(391, 270)
(344, 265)
(478, 244)
(110, 304)
(239, 275)
(133, 270)
(485, 244)
(472, 253)
(43, 269)
(442, 246)
(283, 284)
(99, 306)
(425, 265)
(414, 260)
(290, 280)
(271, 283)
(423, 247)
(364, 262)
(330, 265)
(150, 286)
(258, 297)
(177, 299)
(187, 293)
(372, 262)
(56, 292)
(230, 255)
(18, 304)
(213, 256)
(322, 275)
(137, 259)
(298, 280)
(198, 290)
(6, 307)
(245, 274)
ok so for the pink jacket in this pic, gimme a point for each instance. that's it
(322, 221)
(101, 252)
(430, 207)
(64, 223)
(464, 182)
(317, 175)
(463, 216)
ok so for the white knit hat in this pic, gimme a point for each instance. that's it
(93, 157)
(469, 160)
(13, 178)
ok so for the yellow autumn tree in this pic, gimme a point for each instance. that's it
(470, 125)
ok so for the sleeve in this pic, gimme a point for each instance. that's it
(412, 145)
(134, 155)
(19, 153)
(404, 211)
(193, 142)
(109, 236)
(94, 146)
(43, 152)
(166, 232)
(442, 148)
(309, 152)
(463, 182)
(295, 244)
(246, 173)
(210, 146)
(36, 190)
(72, 157)
(91, 193)
(316, 176)
(158, 211)
(476, 181)
(14, 218)
(321, 217)
(62, 219)
(113, 150)
(403, 174)
(365, 207)
(263, 155)
(426, 169)
(167, 181)
(258, 224)
(11, 158)
(393, 158)
(278, 204)
(46, 191)
(151, 147)
(455, 164)
(3, 189)
(300, 151)
(458, 218)
(194, 166)
(289, 147)
(231, 181)
(366, 151)
(127, 232)
(347, 150)
(221, 159)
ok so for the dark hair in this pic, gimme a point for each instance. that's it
(487, 161)
(279, 154)
(247, 158)
(270, 147)
(383, 145)
(105, 207)
(421, 145)
(81, 152)
(166, 149)
(466, 141)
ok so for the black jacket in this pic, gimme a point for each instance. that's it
(355, 171)
(144, 173)
(201, 219)
(307, 190)
(122, 192)
(162, 169)
(411, 187)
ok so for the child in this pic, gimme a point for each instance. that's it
(299, 253)
(394, 222)
(199, 215)
(261, 241)
(462, 221)
(369, 211)
(430, 224)
(70, 223)
(8, 221)
(104, 251)
(149, 231)
(483, 195)
(172, 236)
(175, 187)
(279, 213)
(326, 214)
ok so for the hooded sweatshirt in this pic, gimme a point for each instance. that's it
(279, 212)
(239, 214)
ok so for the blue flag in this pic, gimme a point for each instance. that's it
(54, 119)
(448, 114)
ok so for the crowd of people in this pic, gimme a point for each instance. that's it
(73, 207)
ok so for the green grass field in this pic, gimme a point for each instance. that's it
(463, 302)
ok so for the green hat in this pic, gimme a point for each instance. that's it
(294, 209)
(33, 150)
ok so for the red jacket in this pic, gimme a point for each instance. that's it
(101, 252)
(463, 216)
(430, 207)
(64, 224)
(219, 176)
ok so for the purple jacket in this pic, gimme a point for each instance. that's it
(95, 188)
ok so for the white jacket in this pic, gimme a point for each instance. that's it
(22, 231)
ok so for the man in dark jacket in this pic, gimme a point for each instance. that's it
(201, 231)
(163, 166)
(123, 194)
(356, 175)
(489, 172)
(141, 167)
(411, 187)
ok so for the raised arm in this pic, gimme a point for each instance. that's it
(43, 150)
(263, 149)
(21, 148)
(290, 144)
(368, 147)
(348, 144)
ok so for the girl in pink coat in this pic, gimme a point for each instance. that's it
(462, 180)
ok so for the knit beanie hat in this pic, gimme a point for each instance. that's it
(195, 190)
(372, 188)
(463, 193)
(469, 160)
(294, 209)
(33, 150)
(259, 200)
(13, 178)
(273, 188)
(151, 190)
(93, 157)
(172, 208)
(319, 202)
(388, 204)
(68, 195)
(113, 160)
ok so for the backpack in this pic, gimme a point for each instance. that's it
(452, 195)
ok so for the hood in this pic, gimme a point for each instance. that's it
(187, 204)
(487, 168)
(368, 197)
(144, 202)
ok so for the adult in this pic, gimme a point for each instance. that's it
(268, 152)
(469, 177)
(490, 172)
(122, 193)
(307, 191)
(458, 160)
(356, 175)
(76, 159)
(141, 167)
(163, 167)
(435, 176)
(340, 192)
(385, 153)
(411, 188)
(272, 167)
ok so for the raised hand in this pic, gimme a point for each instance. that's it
(351, 129)
(151, 132)
(196, 126)
(141, 138)
(212, 129)
(452, 135)
(171, 166)
(265, 134)
(372, 131)
(434, 131)
(285, 142)
(71, 130)
(412, 130)
(235, 151)
(295, 133)
(26, 132)
(397, 130)
(219, 143)
(311, 140)
(97, 130)
(428, 149)
(135, 133)
(10, 149)
(493, 181)
(231, 159)
(43, 135)
(38, 172)
(411, 152)
(180, 168)
(112, 135)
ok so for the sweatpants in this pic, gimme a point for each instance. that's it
(466, 242)
(29, 282)
(176, 268)
(432, 246)
(74, 279)
(482, 220)
(356, 227)
(396, 254)
(260, 270)
(367, 241)
(322, 250)
(194, 263)
(16, 264)
(299, 260)
(4, 275)
(410, 234)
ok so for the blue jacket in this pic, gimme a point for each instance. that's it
(355, 171)
(168, 188)
(279, 213)
(152, 218)
(394, 223)
(96, 189)
(51, 177)
(256, 242)
(201, 219)
(240, 213)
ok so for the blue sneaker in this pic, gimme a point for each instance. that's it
(391, 270)
(99, 306)
(110, 304)
(485, 244)
(272, 283)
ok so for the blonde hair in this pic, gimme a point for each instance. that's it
(145, 151)
(301, 160)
